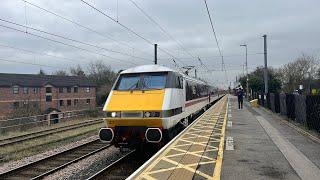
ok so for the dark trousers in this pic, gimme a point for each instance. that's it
(240, 103)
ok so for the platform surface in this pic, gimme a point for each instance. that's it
(265, 147)
(193, 154)
(231, 144)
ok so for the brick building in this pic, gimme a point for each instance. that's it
(45, 93)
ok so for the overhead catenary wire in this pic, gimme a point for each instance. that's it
(39, 53)
(224, 56)
(33, 64)
(161, 28)
(214, 32)
(70, 39)
(128, 29)
(66, 44)
(84, 27)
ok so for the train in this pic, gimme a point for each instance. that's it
(150, 103)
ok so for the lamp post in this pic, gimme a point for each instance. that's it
(245, 45)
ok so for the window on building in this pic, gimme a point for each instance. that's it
(35, 90)
(60, 89)
(88, 101)
(61, 103)
(88, 89)
(48, 89)
(76, 102)
(15, 90)
(25, 103)
(75, 89)
(68, 102)
(35, 104)
(16, 104)
(68, 89)
(25, 90)
(48, 98)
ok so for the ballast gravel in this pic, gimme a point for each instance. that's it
(15, 164)
(88, 166)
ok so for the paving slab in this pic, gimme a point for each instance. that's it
(196, 153)
(266, 149)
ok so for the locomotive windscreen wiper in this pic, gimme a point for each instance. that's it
(134, 86)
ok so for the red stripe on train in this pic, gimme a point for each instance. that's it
(195, 101)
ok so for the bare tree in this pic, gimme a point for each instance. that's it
(41, 72)
(77, 71)
(298, 72)
(60, 73)
(104, 77)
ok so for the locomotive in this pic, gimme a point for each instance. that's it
(149, 103)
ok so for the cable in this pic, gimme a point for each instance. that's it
(214, 32)
(160, 27)
(82, 26)
(231, 55)
(59, 42)
(127, 28)
(39, 53)
(34, 64)
(69, 39)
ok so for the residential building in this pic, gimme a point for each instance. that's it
(45, 93)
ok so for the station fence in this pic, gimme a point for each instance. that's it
(302, 109)
(29, 122)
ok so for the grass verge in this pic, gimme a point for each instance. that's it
(36, 146)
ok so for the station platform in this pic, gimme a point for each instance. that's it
(228, 143)
(194, 153)
(263, 145)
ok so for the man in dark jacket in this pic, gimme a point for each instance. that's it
(240, 98)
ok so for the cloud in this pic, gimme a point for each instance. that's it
(291, 25)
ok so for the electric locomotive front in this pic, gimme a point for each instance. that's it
(135, 106)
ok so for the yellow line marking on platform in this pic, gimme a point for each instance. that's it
(217, 169)
(191, 149)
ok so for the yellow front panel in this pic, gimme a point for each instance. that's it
(148, 122)
(136, 100)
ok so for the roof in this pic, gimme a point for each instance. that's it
(35, 80)
(147, 68)
(158, 68)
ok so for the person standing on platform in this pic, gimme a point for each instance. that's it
(240, 98)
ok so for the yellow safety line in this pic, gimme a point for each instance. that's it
(174, 146)
(217, 169)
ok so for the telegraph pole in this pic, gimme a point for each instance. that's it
(247, 78)
(155, 54)
(195, 73)
(265, 65)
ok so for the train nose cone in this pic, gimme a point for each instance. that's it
(153, 135)
(106, 134)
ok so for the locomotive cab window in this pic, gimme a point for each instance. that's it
(154, 81)
(143, 81)
(128, 81)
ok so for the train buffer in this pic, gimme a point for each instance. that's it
(227, 143)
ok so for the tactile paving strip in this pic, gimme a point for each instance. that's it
(194, 153)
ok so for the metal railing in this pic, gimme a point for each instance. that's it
(27, 122)
(302, 109)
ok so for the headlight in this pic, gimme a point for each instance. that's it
(113, 114)
(151, 114)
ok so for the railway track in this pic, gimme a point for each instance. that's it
(38, 134)
(119, 169)
(51, 164)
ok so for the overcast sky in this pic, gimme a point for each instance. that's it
(292, 27)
